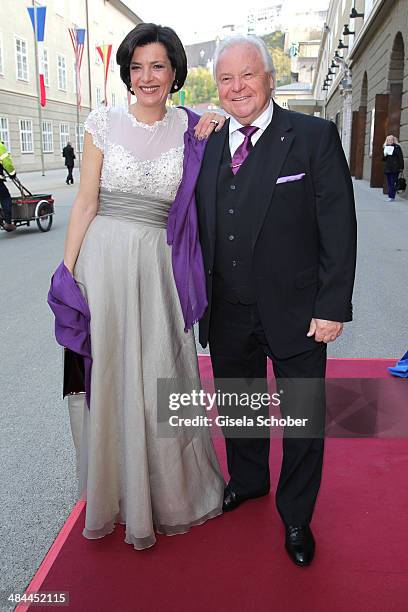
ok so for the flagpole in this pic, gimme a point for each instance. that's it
(38, 86)
(77, 109)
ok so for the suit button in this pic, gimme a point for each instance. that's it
(231, 237)
(234, 263)
(209, 272)
(232, 187)
(231, 211)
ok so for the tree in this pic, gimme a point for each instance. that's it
(200, 88)
(275, 41)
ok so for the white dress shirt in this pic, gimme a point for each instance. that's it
(236, 138)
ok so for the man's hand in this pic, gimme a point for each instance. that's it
(209, 122)
(324, 331)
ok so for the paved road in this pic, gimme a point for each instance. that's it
(38, 469)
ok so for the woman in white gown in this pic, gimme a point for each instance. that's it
(117, 251)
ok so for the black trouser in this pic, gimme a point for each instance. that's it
(70, 178)
(239, 349)
(6, 202)
(392, 178)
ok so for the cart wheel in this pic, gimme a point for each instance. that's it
(44, 211)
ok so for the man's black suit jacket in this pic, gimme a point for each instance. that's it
(303, 232)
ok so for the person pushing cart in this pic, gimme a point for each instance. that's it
(6, 163)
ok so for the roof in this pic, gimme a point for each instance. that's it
(198, 54)
(125, 10)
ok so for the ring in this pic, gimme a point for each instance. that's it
(215, 122)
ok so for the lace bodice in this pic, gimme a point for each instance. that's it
(145, 160)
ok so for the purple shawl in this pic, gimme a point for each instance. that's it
(72, 319)
(182, 231)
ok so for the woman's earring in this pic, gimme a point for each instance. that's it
(132, 92)
(175, 86)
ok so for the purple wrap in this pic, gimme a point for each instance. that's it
(182, 231)
(72, 319)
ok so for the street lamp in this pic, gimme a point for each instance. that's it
(346, 31)
(341, 45)
(354, 14)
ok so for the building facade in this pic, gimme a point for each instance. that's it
(106, 22)
(361, 81)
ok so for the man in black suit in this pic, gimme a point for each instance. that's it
(69, 154)
(278, 234)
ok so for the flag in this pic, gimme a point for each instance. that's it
(78, 42)
(39, 17)
(105, 52)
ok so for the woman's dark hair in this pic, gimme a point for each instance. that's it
(144, 34)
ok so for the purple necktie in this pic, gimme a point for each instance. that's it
(243, 150)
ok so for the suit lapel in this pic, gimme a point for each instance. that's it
(271, 151)
(213, 156)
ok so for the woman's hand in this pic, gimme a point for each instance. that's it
(208, 123)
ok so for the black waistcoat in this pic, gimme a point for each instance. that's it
(233, 277)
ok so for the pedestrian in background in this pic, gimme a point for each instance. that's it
(6, 163)
(69, 154)
(394, 163)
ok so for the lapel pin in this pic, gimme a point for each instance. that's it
(282, 138)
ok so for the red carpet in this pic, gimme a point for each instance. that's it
(237, 561)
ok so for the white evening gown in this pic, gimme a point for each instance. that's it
(129, 474)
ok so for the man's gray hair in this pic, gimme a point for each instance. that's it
(242, 39)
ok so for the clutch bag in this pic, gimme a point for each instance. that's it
(74, 373)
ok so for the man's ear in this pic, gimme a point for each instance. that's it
(271, 82)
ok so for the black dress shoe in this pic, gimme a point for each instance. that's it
(300, 544)
(232, 500)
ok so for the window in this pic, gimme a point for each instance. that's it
(113, 99)
(21, 59)
(370, 150)
(1, 55)
(62, 73)
(45, 65)
(4, 132)
(47, 138)
(26, 136)
(98, 96)
(79, 140)
(64, 134)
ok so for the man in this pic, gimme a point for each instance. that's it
(6, 163)
(278, 234)
(69, 154)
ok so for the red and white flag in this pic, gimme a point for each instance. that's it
(105, 52)
(38, 22)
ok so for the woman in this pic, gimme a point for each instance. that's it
(142, 296)
(394, 163)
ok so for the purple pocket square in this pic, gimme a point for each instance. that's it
(290, 178)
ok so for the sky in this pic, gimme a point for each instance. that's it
(196, 21)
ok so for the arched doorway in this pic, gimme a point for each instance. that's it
(359, 132)
(388, 110)
(395, 79)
